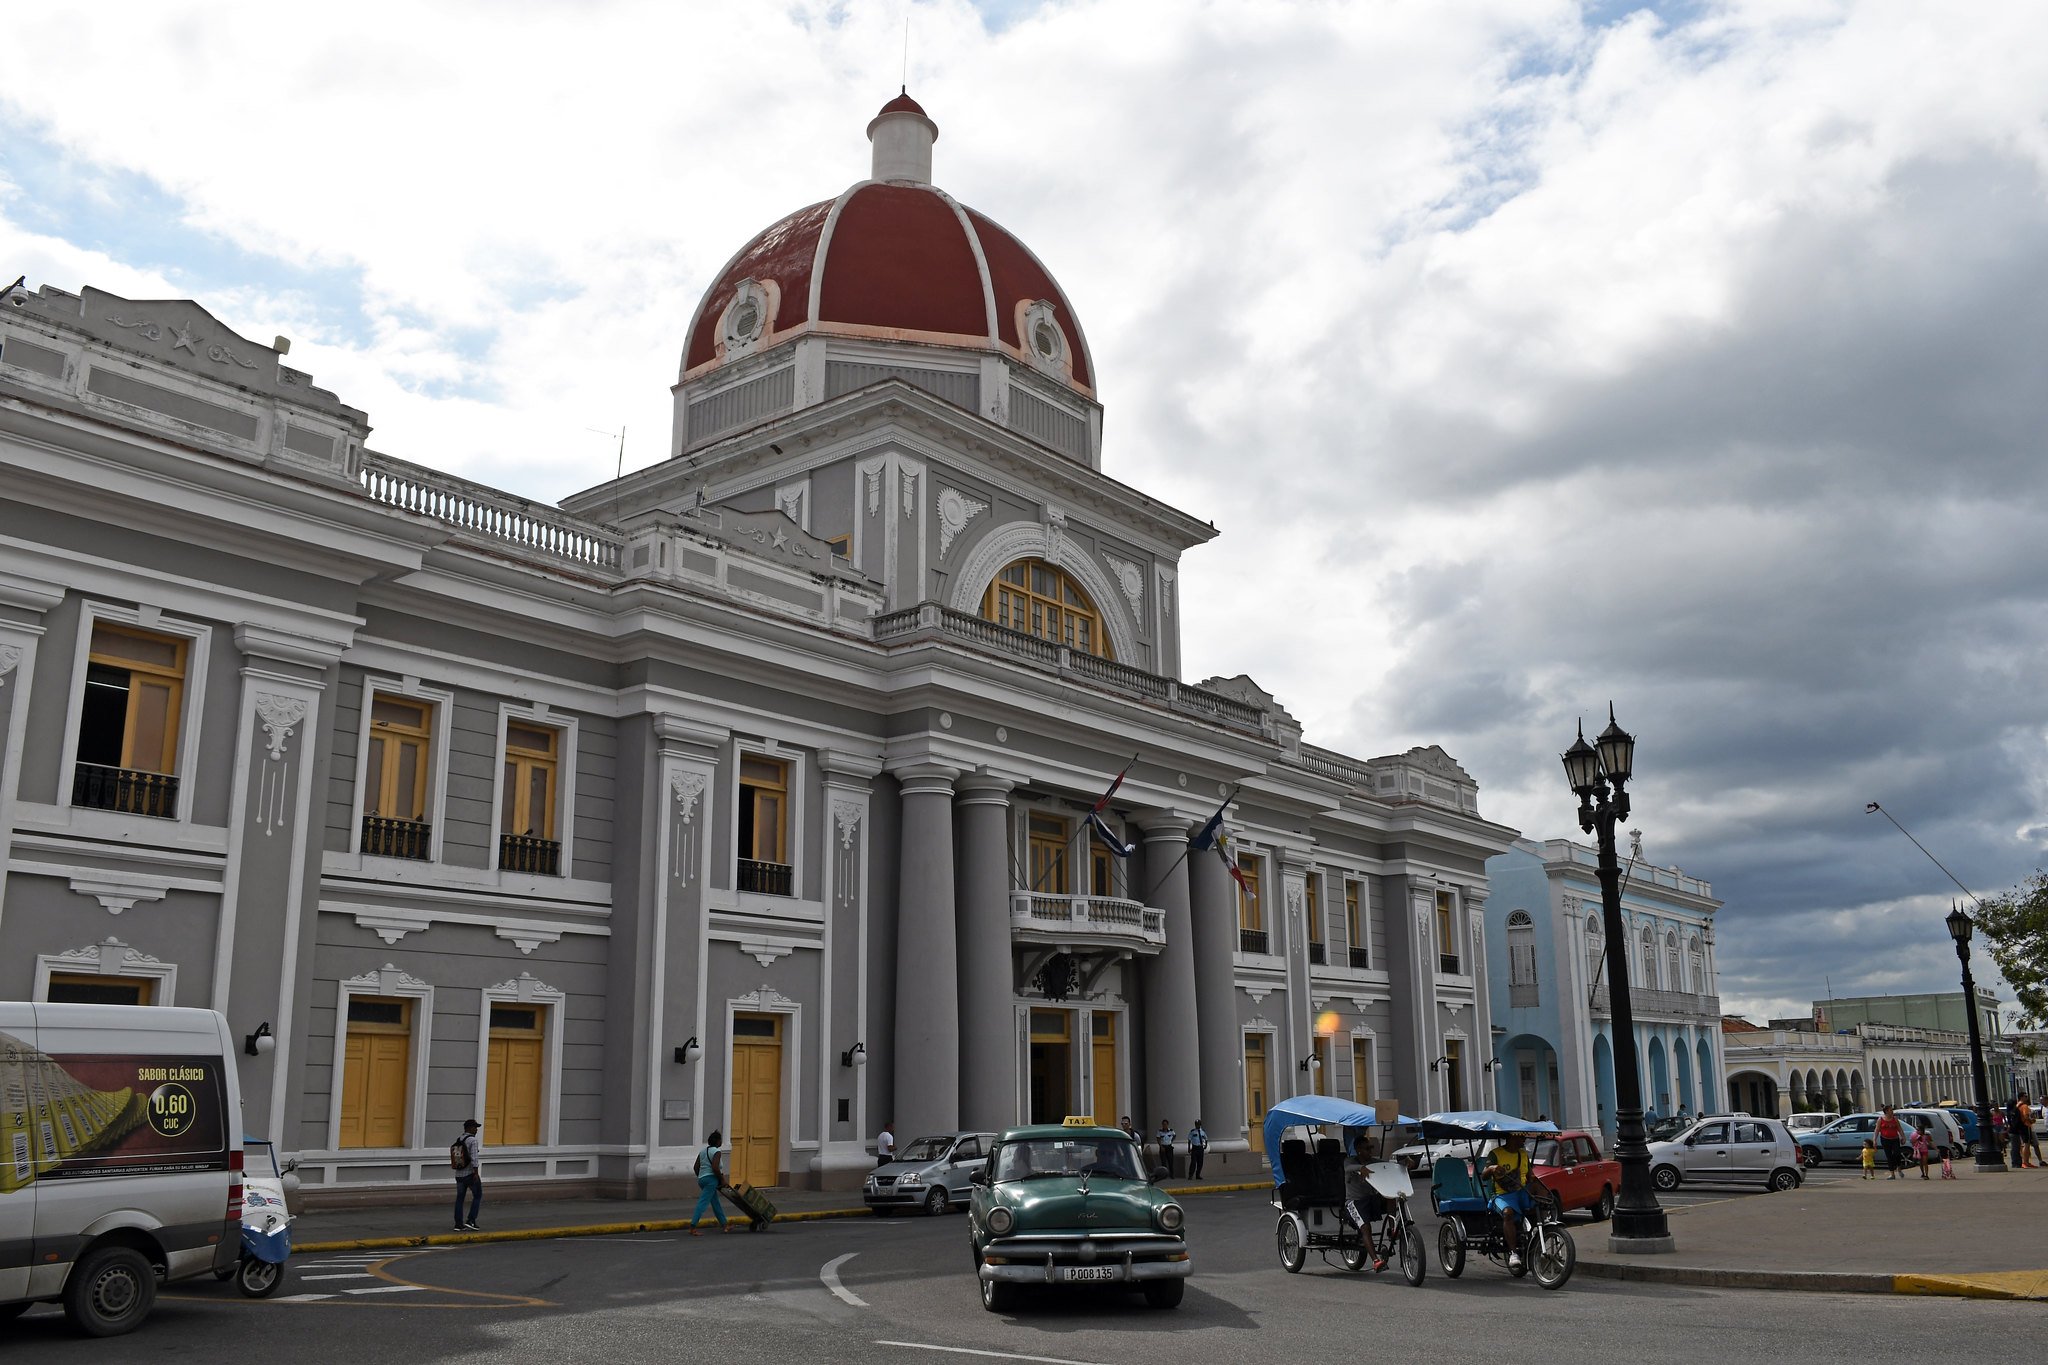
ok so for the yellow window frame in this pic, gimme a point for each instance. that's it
(523, 762)
(1354, 927)
(1251, 906)
(765, 792)
(1042, 599)
(143, 986)
(389, 741)
(143, 673)
(1047, 839)
(1312, 903)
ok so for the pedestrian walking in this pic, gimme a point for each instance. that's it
(1869, 1160)
(1166, 1139)
(710, 1179)
(2030, 1123)
(1198, 1148)
(1892, 1138)
(1948, 1165)
(1130, 1129)
(885, 1145)
(466, 1155)
(1923, 1149)
(2016, 1133)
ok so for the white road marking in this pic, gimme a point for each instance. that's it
(994, 1355)
(830, 1275)
(351, 1275)
(388, 1289)
(303, 1298)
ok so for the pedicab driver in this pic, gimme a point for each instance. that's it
(1510, 1174)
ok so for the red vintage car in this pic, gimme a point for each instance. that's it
(1571, 1168)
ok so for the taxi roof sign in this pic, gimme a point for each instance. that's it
(1079, 1121)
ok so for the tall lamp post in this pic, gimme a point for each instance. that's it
(1960, 927)
(1600, 777)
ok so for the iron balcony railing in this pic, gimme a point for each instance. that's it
(128, 790)
(767, 879)
(1252, 940)
(384, 837)
(524, 853)
(1447, 963)
(1317, 953)
(1361, 958)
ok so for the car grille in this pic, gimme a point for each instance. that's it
(883, 1181)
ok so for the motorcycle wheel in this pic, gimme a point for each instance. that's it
(1414, 1262)
(1556, 1255)
(259, 1279)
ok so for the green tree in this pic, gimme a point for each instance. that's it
(2015, 928)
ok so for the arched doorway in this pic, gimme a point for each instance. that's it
(1707, 1087)
(1603, 1086)
(1526, 1084)
(1753, 1092)
(1682, 1055)
(1659, 1098)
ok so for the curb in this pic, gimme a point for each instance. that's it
(457, 1239)
(1987, 1285)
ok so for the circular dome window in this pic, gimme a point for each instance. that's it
(746, 319)
(1042, 332)
(1046, 338)
(746, 316)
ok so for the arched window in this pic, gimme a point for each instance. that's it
(1699, 967)
(1674, 975)
(1649, 958)
(1596, 949)
(1039, 599)
(1521, 960)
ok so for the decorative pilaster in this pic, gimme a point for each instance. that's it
(1425, 1039)
(18, 641)
(842, 1161)
(988, 1052)
(672, 975)
(925, 1052)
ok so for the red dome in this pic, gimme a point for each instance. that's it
(902, 104)
(897, 261)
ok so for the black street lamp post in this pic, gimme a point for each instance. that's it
(1989, 1157)
(1600, 778)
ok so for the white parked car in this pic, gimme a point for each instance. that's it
(1807, 1123)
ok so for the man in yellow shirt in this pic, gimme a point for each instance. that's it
(1510, 1173)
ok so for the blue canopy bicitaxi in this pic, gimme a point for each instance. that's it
(1476, 1123)
(1307, 1111)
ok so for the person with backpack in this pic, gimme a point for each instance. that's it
(710, 1179)
(466, 1156)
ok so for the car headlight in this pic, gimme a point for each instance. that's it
(1170, 1218)
(1001, 1221)
(913, 1178)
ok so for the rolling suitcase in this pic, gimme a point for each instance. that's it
(760, 1213)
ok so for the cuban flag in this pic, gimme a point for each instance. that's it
(1100, 827)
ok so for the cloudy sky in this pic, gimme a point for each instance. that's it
(1535, 353)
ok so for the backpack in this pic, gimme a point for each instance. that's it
(458, 1153)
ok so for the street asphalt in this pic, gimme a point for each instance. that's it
(866, 1289)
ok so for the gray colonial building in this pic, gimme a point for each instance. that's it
(747, 792)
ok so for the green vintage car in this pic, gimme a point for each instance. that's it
(1062, 1204)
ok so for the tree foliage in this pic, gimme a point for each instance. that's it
(2015, 928)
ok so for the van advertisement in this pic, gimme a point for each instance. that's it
(89, 1114)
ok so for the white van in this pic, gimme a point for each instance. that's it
(120, 1157)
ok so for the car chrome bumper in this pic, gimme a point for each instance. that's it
(1043, 1273)
(1132, 1258)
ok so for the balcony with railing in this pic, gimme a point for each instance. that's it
(930, 622)
(524, 853)
(1361, 958)
(1643, 1001)
(766, 879)
(1318, 954)
(387, 838)
(1253, 941)
(127, 790)
(1448, 964)
(1100, 921)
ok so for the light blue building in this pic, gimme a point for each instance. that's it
(1553, 1042)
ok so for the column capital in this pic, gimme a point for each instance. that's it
(925, 779)
(985, 788)
(288, 647)
(30, 594)
(1163, 826)
(677, 736)
(849, 764)
(1293, 859)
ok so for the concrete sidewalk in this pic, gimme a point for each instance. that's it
(1979, 1236)
(364, 1229)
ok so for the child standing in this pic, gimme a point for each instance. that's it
(1948, 1166)
(1923, 1147)
(1870, 1161)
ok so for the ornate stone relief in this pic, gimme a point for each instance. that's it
(107, 959)
(685, 788)
(1055, 534)
(1131, 579)
(10, 659)
(908, 478)
(1168, 587)
(527, 937)
(117, 894)
(182, 340)
(387, 980)
(764, 997)
(527, 990)
(280, 716)
(956, 509)
(872, 472)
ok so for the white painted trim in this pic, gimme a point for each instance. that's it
(15, 684)
(392, 982)
(567, 748)
(427, 917)
(112, 958)
(1004, 545)
(442, 702)
(191, 705)
(524, 990)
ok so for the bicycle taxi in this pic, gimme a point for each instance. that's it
(1308, 1189)
(1463, 1197)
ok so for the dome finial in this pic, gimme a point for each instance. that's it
(903, 135)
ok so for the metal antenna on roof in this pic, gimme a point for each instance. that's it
(619, 471)
(906, 52)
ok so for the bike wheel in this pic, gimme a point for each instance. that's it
(1414, 1261)
(1555, 1256)
(1289, 1240)
(1353, 1258)
(1450, 1247)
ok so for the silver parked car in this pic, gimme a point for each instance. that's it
(1728, 1150)
(931, 1173)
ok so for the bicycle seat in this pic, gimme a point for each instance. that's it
(1455, 1189)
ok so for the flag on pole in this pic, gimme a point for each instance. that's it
(1205, 838)
(1102, 802)
(1230, 862)
(1108, 836)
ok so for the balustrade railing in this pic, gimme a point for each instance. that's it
(128, 790)
(387, 838)
(1318, 953)
(489, 513)
(524, 853)
(1361, 958)
(1642, 999)
(1251, 941)
(1447, 963)
(1111, 915)
(767, 879)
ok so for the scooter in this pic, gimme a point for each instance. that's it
(266, 1224)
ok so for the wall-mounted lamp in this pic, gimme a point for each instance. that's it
(1490, 1064)
(689, 1052)
(1439, 1063)
(857, 1055)
(1313, 1061)
(259, 1042)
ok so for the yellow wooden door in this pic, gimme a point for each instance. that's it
(512, 1093)
(373, 1090)
(1104, 1027)
(756, 1136)
(1255, 1094)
